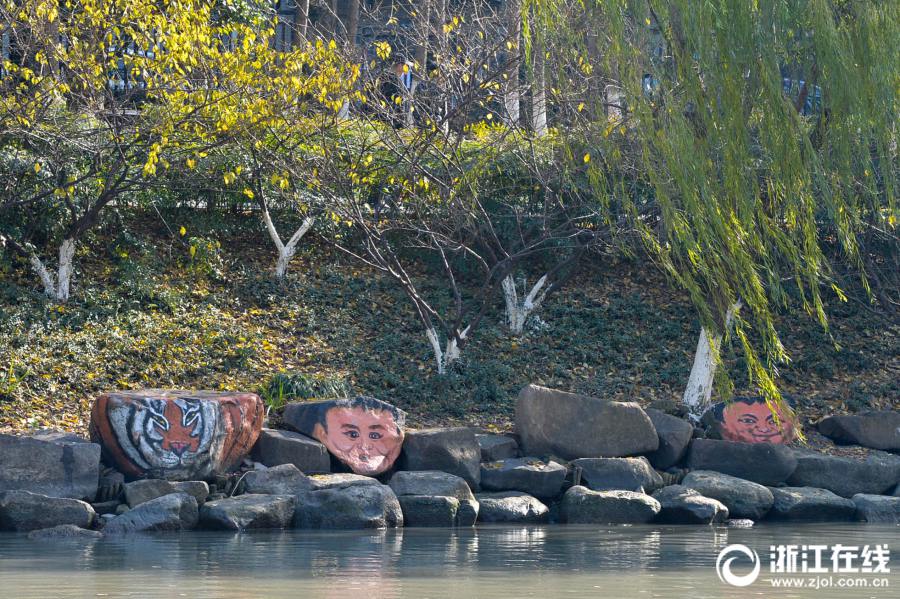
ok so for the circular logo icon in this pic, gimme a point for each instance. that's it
(727, 556)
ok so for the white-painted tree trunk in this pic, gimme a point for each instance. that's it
(287, 250)
(539, 93)
(58, 286)
(699, 388)
(512, 91)
(449, 354)
(518, 312)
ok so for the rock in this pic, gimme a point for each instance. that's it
(572, 426)
(511, 507)
(105, 507)
(744, 499)
(877, 508)
(761, 463)
(176, 435)
(740, 523)
(467, 513)
(278, 480)
(111, 485)
(681, 505)
(453, 450)
(140, 491)
(674, 437)
(248, 511)
(176, 511)
(198, 489)
(877, 474)
(529, 475)
(430, 511)
(357, 506)
(878, 430)
(497, 447)
(24, 511)
(121, 509)
(56, 468)
(431, 482)
(276, 447)
(364, 433)
(580, 505)
(618, 474)
(341, 480)
(749, 420)
(810, 505)
(63, 532)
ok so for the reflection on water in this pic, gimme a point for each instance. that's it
(490, 562)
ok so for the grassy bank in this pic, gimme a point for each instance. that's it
(154, 314)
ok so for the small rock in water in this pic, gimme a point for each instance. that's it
(681, 505)
(511, 507)
(62, 532)
(877, 508)
(740, 523)
(580, 505)
(177, 511)
(248, 512)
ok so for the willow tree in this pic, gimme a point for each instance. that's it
(766, 134)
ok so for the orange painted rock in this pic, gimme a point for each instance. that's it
(176, 435)
(749, 420)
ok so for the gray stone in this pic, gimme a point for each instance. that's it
(428, 510)
(121, 509)
(276, 447)
(176, 511)
(247, 512)
(580, 505)
(762, 463)
(453, 450)
(878, 430)
(60, 467)
(740, 523)
(64, 532)
(810, 505)
(356, 506)
(497, 447)
(341, 480)
(430, 482)
(536, 477)
(511, 507)
(877, 508)
(105, 507)
(572, 426)
(468, 512)
(141, 491)
(743, 498)
(110, 487)
(23, 511)
(674, 437)
(681, 505)
(278, 480)
(618, 474)
(875, 475)
(198, 489)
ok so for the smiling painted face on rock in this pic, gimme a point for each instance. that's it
(368, 440)
(754, 423)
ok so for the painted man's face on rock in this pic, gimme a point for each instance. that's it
(368, 441)
(755, 423)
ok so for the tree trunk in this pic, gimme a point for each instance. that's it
(511, 91)
(57, 287)
(287, 250)
(538, 90)
(699, 388)
(449, 354)
(518, 312)
(301, 22)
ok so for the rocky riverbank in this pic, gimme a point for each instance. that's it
(572, 459)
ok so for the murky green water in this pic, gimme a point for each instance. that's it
(552, 561)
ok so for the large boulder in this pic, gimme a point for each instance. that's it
(198, 489)
(56, 466)
(580, 505)
(750, 420)
(285, 479)
(357, 506)
(248, 511)
(430, 483)
(497, 447)
(674, 437)
(430, 511)
(364, 433)
(511, 507)
(743, 498)
(810, 505)
(570, 426)
(141, 491)
(681, 505)
(618, 474)
(876, 474)
(453, 450)
(878, 430)
(536, 477)
(275, 447)
(762, 463)
(877, 508)
(24, 511)
(173, 512)
(176, 435)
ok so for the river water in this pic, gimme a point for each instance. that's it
(487, 561)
